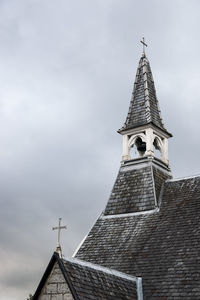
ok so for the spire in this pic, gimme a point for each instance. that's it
(144, 107)
(144, 128)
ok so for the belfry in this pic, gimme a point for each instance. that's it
(144, 126)
(145, 243)
(137, 186)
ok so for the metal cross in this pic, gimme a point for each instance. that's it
(144, 44)
(59, 227)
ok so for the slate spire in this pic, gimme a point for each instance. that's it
(144, 107)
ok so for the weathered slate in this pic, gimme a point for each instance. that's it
(67, 279)
(163, 247)
(135, 190)
(91, 283)
(144, 107)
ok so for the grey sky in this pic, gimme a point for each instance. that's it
(66, 75)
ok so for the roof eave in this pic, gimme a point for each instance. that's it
(142, 126)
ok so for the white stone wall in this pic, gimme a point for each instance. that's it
(56, 287)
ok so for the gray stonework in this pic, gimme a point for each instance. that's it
(56, 287)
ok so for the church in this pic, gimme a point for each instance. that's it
(146, 242)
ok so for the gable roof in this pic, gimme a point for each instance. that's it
(89, 281)
(162, 247)
(94, 282)
(144, 107)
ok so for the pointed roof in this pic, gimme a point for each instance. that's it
(87, 281)
(136, 189)
(144, 107)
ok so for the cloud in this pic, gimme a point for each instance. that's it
(66, 75)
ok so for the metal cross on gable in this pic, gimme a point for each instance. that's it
(144, 44)
(59, 227)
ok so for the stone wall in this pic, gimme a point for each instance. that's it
(56, 287)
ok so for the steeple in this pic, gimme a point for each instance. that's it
(144, 107)
(144, 126)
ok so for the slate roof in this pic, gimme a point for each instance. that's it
(144, 107)
(162, 247)
(89, 281)
(136, 189)
(149, 229)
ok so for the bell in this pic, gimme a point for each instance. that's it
(142, 147)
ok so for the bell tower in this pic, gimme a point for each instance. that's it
(140, 179)
(144, 129)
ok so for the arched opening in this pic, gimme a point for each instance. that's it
(157, 148)
(133, 152)
(139, 147)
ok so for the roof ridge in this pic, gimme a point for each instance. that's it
(131, 214)
(101, 268)
(146, 88)
(154, 187)
(183, 178)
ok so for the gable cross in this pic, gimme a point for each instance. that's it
(144, 44)
(59, 227)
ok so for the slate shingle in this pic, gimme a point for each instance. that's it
(135, 190)
(86, 281)
(91, 283)
(144, 107)
(163, 247)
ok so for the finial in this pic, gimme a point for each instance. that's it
(144, 45)
(59, 227)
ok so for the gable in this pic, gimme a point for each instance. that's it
(55, 287)
(74, 279)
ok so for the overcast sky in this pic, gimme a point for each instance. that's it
(66, 74)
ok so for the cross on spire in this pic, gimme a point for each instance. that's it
(144, 45)
(59, 227)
